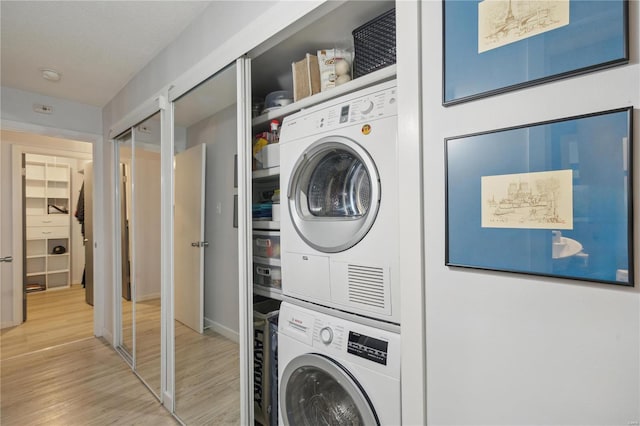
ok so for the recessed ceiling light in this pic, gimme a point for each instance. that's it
(51, 75)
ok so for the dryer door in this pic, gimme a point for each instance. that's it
(315, 390)
(333, 194)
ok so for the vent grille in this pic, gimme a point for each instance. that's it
(366, 286)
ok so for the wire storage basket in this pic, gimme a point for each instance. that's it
(375, 44)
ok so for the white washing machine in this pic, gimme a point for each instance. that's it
(336, 372)
(338, 174)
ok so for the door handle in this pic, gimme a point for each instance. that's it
(200, 244)
(7, 259)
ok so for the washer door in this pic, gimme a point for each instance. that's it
(334, 194)
(316, 390)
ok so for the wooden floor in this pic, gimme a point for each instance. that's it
(207, 366)
(53, 372)
(53, 318)
(207, 374)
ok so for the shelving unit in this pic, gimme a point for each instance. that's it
(265, 182)
(375, 77)
(47, 204)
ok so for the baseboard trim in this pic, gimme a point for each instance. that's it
(106, 334)
(8, 324)
(145, 297)
(221, 329)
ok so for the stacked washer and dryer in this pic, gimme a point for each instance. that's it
(339, 324)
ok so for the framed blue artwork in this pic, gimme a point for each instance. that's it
(551, 199)
(493, 46)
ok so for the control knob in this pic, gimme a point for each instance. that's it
(367, 107)
(326, 335)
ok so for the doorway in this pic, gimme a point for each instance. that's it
(46, 276)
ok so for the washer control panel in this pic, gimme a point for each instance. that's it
(367, 347)
(330, 335)
(339, 338)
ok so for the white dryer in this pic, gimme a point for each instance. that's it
(338, 171)
(333, 371)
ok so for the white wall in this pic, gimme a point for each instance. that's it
(221, 308)
(217, 24)
(37, 144)
(17, 107)
(505, 349)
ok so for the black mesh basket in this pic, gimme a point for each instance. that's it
(375, 44)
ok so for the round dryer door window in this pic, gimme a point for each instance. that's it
(334, 194)
(317, 391)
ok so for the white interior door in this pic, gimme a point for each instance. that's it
(189, 237)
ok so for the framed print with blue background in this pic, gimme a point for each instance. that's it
(493, 46)
(552, 199)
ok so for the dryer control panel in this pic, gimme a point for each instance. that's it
(373, 103)
(368, 107)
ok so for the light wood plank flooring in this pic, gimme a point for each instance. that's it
(207, 367)
(53, 372)
(207, 375)
(53, 317)
(80, 383)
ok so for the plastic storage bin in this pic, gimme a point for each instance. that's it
(264, 361)
(267, 275)
(266, 244)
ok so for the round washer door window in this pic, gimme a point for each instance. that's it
(334, 194)
(318, 391)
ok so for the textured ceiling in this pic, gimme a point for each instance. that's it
(97, 46)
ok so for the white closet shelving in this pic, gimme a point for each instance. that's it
(47, 225)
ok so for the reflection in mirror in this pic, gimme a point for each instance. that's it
(124, 163)
(146, 266)
(206, 307)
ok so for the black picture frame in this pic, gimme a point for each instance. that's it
(552, 199)
(499, 46)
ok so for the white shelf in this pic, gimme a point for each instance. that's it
(57, 287)
(266, 173)
(267, 225)
(267, 261)
(272, 293)
(47, 181)
(375, 77)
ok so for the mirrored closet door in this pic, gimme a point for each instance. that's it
(146, 270)
(138, 191)
(124, 313)
(205, 284)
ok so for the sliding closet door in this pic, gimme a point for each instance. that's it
(138, 181)
(146, 269)
(206, 321)
(124, 155)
